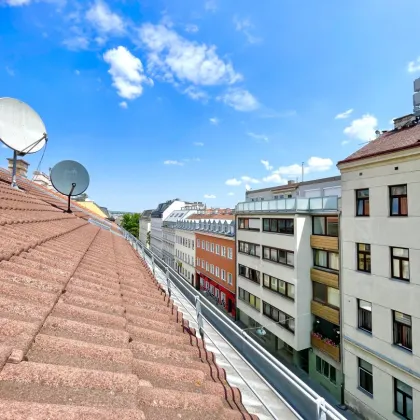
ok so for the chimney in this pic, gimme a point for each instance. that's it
(21, 167)
(290, 182)
(401, 121)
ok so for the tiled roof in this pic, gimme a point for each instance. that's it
(388, 142)
(86, 332)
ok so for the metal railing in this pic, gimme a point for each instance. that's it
(289, 387)
(295, 204)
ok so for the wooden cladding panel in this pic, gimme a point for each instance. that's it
(332, 351)
(329, 243)
(325, 277)
(325, 312)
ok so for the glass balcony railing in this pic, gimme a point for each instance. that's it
(291, 205)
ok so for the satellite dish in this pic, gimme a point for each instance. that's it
(21, 129)
(261, 331)
(69, 178)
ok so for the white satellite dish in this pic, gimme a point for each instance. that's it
(21, 129)
(69, 178)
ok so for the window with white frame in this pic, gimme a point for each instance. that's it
(217, 249)
(207, 245)
(212, 247)
(223, 275)
(207, 266)
(203, 264)
(217, 272)
(229, 278)
(223, 251)
(230, 253)
(198, 243)
(198, 262)
(211, 268)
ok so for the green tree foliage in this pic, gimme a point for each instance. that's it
(130, 222)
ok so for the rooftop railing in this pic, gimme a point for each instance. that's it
(304, 400)
(291, 205)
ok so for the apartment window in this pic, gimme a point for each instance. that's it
(326, 295)
(249, 224)
(249, 273)
(276, 315)
(192, 243)
(280, 256)
(212, 247)
(198, 243)
(217, 272)
(217, 249)
(207, 266)
(250, 249)
(230, 253)
(223, 251)
(403, 399)
(207, 246)
(203, 263)
(229, 278)
(325, 225)
(362, 202)
(365, 315)
(363, 257)
(211, 268)
(285, 226)
(250, 299)
(326, 259)
(365, 376)
(326, 370)
(402, 330)
(398, 200)
(400, 267)
(279, 286)
(223, 273)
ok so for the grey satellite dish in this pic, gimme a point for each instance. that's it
(69, 178)
(21, 129)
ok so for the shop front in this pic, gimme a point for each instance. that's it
(220, 294)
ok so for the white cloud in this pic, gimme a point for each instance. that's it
(105, 21)
(344, 142)
(250, 180)
(344, 114)
(246, 26)
(267, 165)
(10, 71)
(276, 114)
(314, 164)
(18, 2)
(198, 143)
(276, 178)
(191, 28)
(192, 160)
(77, 72)
(127, 72)
(414, 66)
(233, 182)
(255, 136)
(247, 187)
(230, 193)
(239, 99)
(362, 128)
(210, 5)
(173, 162)
(214, 121)
(78, 42)
(197, 94)
(123, 104)
(209, 196)
(173, 57)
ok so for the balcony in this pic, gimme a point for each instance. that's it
(325, 345)
(325, 312)
(325, 277)
(291, 205)
(328, 243)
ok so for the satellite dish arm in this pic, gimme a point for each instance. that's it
(73, 186)
(34, 144)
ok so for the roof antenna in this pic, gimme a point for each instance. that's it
(21, 129)
(416, 98)
(302, 170)
(69, 178)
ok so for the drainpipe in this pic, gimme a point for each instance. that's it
(342, 405)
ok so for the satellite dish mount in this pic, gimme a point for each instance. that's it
(69, 178)
(21, 129)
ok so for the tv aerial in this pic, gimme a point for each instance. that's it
(21, 129)
(70, 178)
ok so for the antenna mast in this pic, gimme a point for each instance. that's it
(302, 170)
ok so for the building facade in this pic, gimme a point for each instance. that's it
(288, 278)
(145, 227)
(216, 258)
(185, 249)
(157, 216)
(381, 274)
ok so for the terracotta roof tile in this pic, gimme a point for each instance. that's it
(85, 331)
(388, 142)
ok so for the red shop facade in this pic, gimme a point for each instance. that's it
(223, 296)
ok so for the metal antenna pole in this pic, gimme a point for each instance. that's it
(14, 183)
(302, 170)
(73, 186)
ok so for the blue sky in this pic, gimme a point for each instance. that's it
(201, 99)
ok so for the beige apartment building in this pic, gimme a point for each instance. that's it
(380, 275)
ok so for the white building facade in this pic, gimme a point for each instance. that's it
(145, 227)
(157, 216)
(185, 249)
(381, 276)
